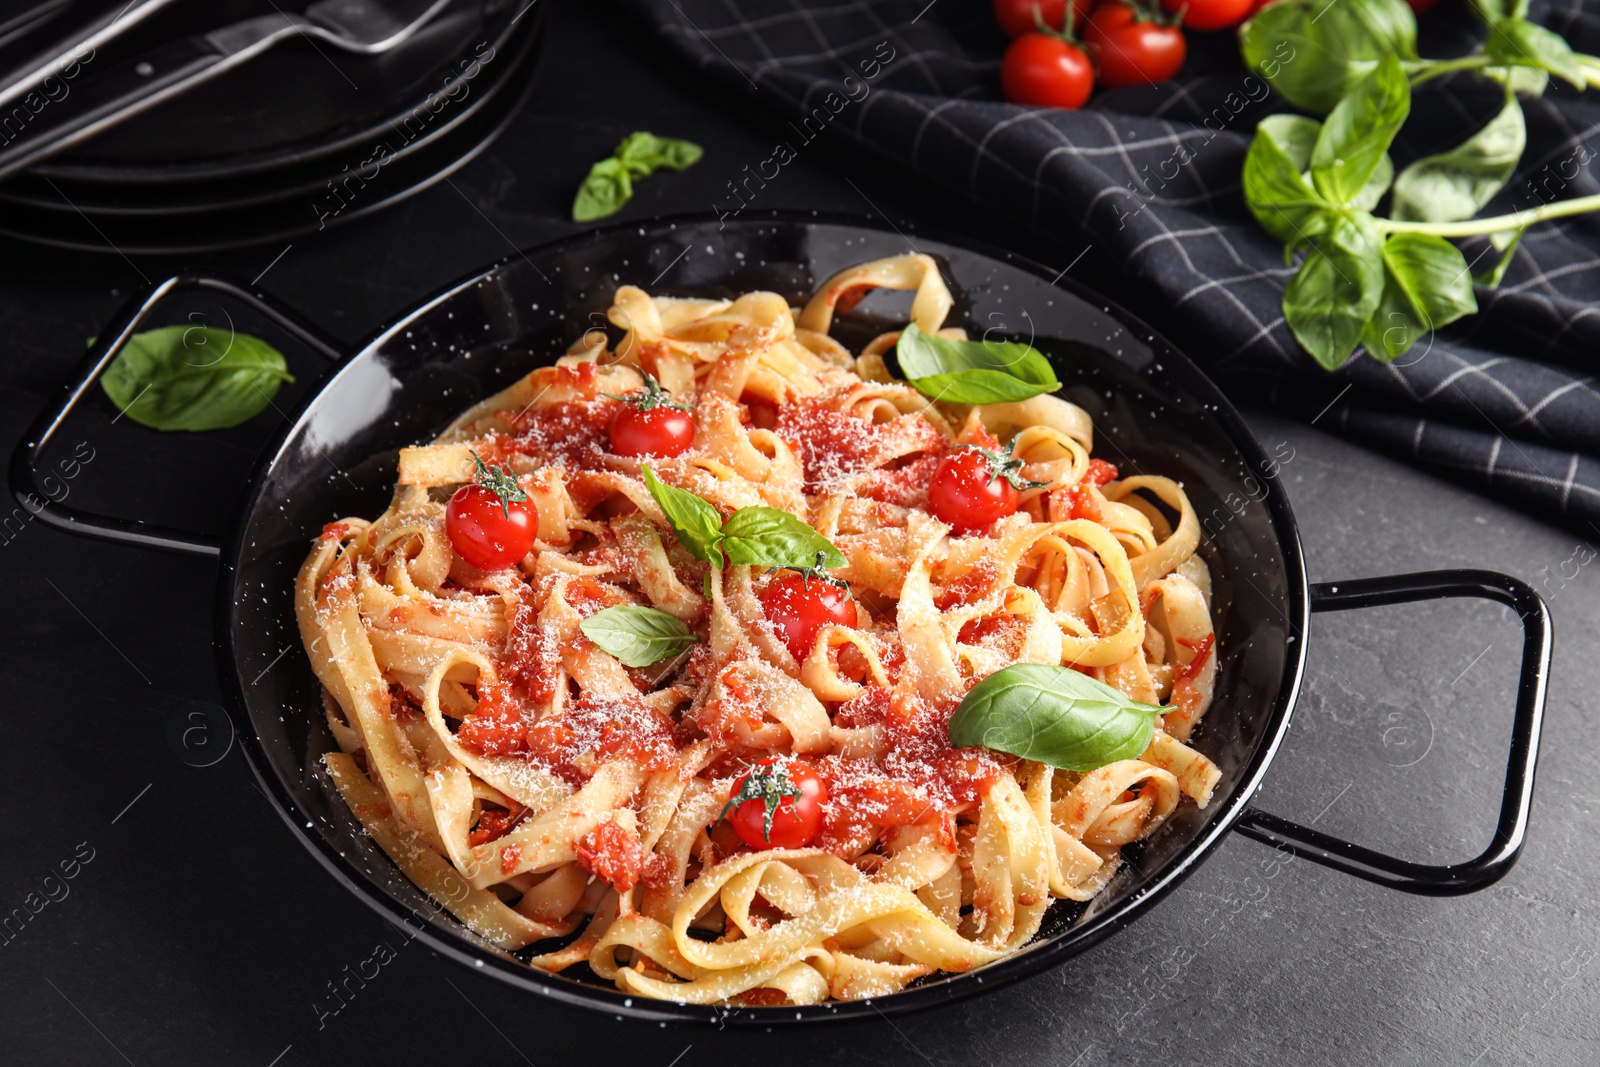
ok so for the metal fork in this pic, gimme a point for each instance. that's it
(365, 27)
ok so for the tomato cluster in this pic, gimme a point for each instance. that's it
(1122, 43)
(1060, 50)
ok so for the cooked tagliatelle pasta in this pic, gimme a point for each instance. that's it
(557, 800)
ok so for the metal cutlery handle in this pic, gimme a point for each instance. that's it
(77, 48)
(110, 97)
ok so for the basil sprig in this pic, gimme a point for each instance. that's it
(637, 636)
(1053, 715)
(972, 372)
(1367, 280)
(756, 536)
(1362, 279)
(697, 524)
(194, 378)
(609, 184)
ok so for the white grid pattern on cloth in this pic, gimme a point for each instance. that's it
(1503, 401)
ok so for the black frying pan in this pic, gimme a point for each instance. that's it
(1154, 412)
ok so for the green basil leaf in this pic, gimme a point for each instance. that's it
(1377, 185)
(1434, 276)
(770, 537)
(1358, 132)
(972, 372)
(1492, 11)
(1427, 284)
(1053, 715)
(643, 153)
(1494, 275)
(637, 636)
(1337, 290)
(1277, 193)
(1314, 52)
(194, 378)
(697, 524)
(1394, 327)
(1297, 136)
(1455, 185)
(1522, 43)
(603, 192)
(976, 387)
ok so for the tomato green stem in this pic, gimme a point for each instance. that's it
(1514, 221)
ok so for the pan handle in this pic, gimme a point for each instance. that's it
(1512, 829)
(24, 471)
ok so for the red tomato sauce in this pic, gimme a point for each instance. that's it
(612, 853)
(921, 781)
(493, 824)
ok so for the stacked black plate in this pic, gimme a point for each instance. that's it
(296, 140)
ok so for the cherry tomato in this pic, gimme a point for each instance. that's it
(1422, 7)
(798, 795)
(1210, 14)
(1016, 16)
(659, 431)
(650, 424)
(491, 522)
(968, 493)
(1043, 71)
(1133, 49)
(798, 606)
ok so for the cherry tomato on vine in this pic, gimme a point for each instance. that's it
(1210, 14)
(657, 432)
(1132, 46)
(491, 523)
(777, 803)
(1041, 70)
(800, 604)
(972, 487)
(1016, 16)
(650, 424)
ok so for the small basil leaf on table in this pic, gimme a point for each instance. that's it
(1337, 290)
(1053, 715)
(1520, 43)
(637, 636)
(1313, 52)
(1455, 185)
(697, 524)
(194, 378)
(603, 192)
(973, 372)
(770, 537)
(1356, 137)
(644, 153)
(609, 184)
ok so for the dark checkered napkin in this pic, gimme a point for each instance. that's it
(1503, 401)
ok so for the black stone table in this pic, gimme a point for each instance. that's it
(193, 929)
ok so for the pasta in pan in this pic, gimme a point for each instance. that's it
(552, 795)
